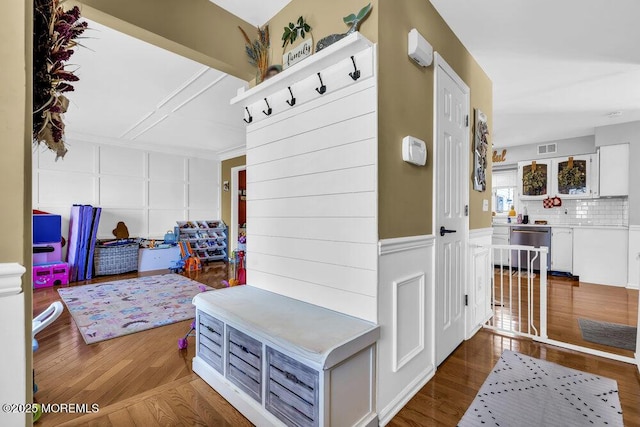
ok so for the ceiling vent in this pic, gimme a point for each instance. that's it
(547, 149)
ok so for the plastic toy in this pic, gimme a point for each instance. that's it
(183, 342)
(46, 275)
(242, 273)
(40, 322)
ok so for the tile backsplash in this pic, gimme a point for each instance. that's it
(604, 211)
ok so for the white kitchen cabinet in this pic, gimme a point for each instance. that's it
(613, 163)
(500, 236)
(572, 177)
(600, 255)
(562, 249)
(534, 179)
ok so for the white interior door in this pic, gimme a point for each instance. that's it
(451, 220)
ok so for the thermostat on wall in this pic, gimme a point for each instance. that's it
(414, 151)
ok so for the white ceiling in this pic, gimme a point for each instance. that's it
(256, 12)
(558, 67)
(135, 93)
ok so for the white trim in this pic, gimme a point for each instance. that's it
(403, 244)
(399, 363)
(586, 350)
(480, 232)
(634, 228)
(386, 415)
(231, 153)
(233, 227)
(632, 286)
(11, 279)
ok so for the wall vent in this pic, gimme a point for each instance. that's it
(547, 149)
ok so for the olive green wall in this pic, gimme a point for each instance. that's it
(405, 104)
(225, 198)
(324, 17)
(196, 29)
(15, 161)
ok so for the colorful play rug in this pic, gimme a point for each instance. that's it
(113, 309)
(523, 391)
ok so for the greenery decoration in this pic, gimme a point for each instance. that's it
(291, 32)
(55, 34)
(534, 181)
(354, 19)
(572, 178)
(258, 50)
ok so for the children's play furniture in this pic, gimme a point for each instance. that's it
(52, 274)
(207, 238)
(281, 361)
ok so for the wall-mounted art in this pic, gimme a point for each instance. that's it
(480, 151)
(353, 19)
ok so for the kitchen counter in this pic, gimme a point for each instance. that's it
(594, 227)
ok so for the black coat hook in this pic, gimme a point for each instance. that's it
(355, 75)
(268, 111)
(250, 118)
(292, 101)
(322, 89)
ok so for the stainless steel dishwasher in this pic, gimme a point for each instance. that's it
(530, 236)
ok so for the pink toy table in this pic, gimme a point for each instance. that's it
(54, 274)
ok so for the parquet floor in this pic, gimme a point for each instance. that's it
(144, 380)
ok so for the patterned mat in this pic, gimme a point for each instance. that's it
(611, 334)
(523, 391)
(112, 309)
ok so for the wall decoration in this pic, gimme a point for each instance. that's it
(481, 151)
(534, 179)
(499, 158)
(225, 186)
(304, 50)
(292, 31)
(354, 20)
(258, 51)
(55, 34)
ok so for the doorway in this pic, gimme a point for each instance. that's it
(451, 221)
(238, 205)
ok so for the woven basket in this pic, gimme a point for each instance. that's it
(115, 259)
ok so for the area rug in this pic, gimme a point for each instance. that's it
(523, 391)
(611, 334)
(112, 309)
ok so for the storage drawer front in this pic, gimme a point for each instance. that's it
(292, 390)
(244, 362)
(211, 327)
(213, 356)
(210, 342)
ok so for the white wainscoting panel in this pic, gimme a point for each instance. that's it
(12, 331)
(634, 256)
(479, 282)
(147, 190)
(406, 357)
(312, 204)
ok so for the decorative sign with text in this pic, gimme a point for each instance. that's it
(499, 158)
(304, 50)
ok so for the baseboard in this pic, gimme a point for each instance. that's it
(387, 414)
(633, 286)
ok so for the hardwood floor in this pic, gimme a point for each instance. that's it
(144, 380)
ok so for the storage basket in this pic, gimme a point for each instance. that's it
(115, 258)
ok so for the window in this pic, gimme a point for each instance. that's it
(504, 198)
(505, 191)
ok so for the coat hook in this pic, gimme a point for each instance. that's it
(322, 89)
(250, 118)
(292, 101)
(355, 75)
(268, 110)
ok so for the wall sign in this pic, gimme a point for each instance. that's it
(304, 50)
(499, 158)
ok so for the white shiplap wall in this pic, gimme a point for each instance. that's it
(312, 200)
(147, 190)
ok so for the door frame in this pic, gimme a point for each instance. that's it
(233, 227)
(441, 66)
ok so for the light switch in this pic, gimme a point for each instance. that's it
(485, 205)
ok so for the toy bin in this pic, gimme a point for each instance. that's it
(115, 258)
(46, 275)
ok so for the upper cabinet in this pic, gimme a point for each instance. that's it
(572, 177)
(534, 179)
(613, 163)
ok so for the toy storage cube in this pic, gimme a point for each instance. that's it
(47, 275)
(47, 228)
(47, 253)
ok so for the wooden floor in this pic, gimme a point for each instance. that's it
(144, 380)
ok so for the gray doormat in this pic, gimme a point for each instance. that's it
(611, 334)
(523, 391)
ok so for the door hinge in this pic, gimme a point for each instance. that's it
(466, 300)
(466, 210)
(466, 120)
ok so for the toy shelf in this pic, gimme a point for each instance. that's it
(207, 238)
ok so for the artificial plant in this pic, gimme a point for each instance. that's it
(258, 50)
(534, 181)
(55, 34)
(571, 177)
(291, 31)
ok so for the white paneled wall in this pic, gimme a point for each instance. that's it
(311, 203)
(147, 190)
